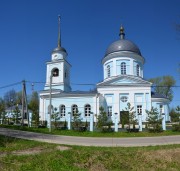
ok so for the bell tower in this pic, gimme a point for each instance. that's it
(58, 68)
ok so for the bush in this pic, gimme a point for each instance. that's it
(107, 129)
(103, 124)
(176, 128)
(80, 129)
(154, 122)
(155, 129)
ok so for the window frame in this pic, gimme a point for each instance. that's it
(87, 110)
(108, 71)
(109, 110)
(74, 109)
(62, 110)
(138, 70)
(139, 109)
(123, 68)
(124, 99)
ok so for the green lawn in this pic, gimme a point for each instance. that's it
(93, 134)
(17, 154)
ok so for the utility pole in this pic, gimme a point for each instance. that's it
(50, 102)
(24, 102)
(22, 112)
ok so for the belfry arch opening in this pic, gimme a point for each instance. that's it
(55, 72)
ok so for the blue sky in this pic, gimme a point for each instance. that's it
(28, 34)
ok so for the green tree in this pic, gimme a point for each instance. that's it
(77, 120)
(10, 98)
(2, 110)
(16, 113)
(55, 116)
(154, 120)
(34, 107)
(178, 109)
(103, 121)
(132, 115)
(163, 85)
(174, 115)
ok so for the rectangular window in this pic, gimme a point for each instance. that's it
(109, 110)
(139, 109)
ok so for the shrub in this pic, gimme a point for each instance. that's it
(103, 124)
(154, 121)
(156, 128)
(176, 127)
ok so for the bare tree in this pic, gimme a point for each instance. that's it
(10, 98)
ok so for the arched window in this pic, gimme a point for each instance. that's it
(137, 70)
(50, 109)
(55, 72)
(87, 110)
(123, 68)
(62, 110)
(108, 71)
(74, 109)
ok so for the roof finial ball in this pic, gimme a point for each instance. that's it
(122, 34)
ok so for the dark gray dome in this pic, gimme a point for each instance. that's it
(61, 49)
(122, 45)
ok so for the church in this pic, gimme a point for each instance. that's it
(123, 82)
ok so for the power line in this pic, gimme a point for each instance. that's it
(81, 84)
(10, 85)
(93, 84)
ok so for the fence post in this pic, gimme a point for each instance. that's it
(116, 122)
(91, 122)
(163, 122)
(140, 121)
(69, 120)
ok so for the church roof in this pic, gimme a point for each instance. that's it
(124, 80)
(60, 93)
(122, 45)
(59, 49)
(157, 95)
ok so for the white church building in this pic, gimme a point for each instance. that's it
(123, 82)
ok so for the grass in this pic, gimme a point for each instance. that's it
(92, 134)
(78, 158)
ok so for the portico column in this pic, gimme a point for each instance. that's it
(140, 121)
(163, 122)
(91, 122)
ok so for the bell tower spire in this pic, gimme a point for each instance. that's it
(58, 68)
(59, 52)
(59, 31)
